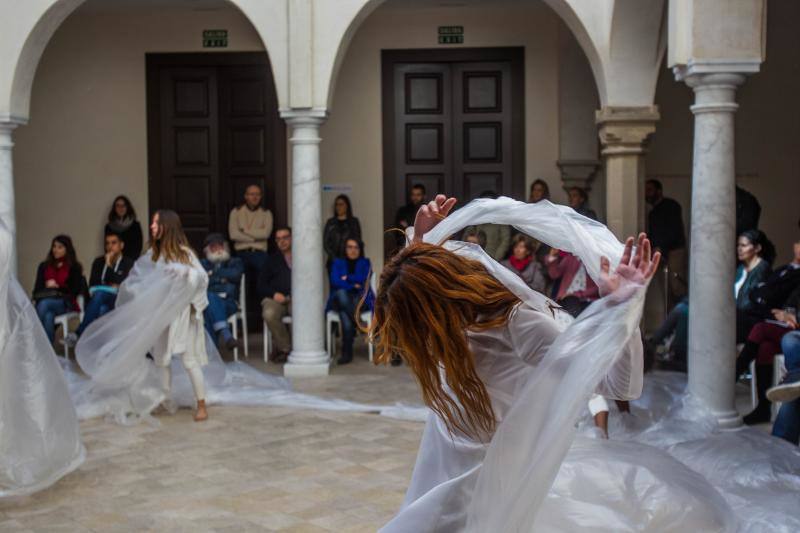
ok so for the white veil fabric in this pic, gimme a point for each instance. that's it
(39, 434)
(460, 484)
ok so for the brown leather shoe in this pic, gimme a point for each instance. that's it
(201, 414)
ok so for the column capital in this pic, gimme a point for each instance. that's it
(624, 130)
(577, 172)
(6, 130)
(304, 117)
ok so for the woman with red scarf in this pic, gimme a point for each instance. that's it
(59, 281)
(522, 262)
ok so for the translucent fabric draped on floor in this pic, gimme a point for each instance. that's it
(122, 383)
(503, 485)
(39, 435)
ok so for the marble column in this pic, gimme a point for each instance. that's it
(308, 356)
(7, 214)
(623, 134)
(712, 310)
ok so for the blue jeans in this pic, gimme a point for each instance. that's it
(677, 321)
(100, 304)
(48, 309)
(345, 302)
(217, 313)
(787, 423)
(253, 265)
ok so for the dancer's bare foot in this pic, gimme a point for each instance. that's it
(201, 414)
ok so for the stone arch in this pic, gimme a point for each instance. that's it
(572, 12)
(15, 102)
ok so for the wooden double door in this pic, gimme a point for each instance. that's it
(213, 129)
(453, 122)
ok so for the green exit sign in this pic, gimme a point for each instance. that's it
(451, 34)
(215, 38)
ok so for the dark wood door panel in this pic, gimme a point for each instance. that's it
(453, 122)
(213, 129)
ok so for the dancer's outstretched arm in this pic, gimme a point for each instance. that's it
(431, 214)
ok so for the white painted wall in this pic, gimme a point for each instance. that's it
(352, 137)
(87, 139)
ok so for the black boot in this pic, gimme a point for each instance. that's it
(763, 412)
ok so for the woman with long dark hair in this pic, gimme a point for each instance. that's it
(349, 284)
(59, 282)
(185, 336)
(122, 221)
(503, 377)
(341, 226)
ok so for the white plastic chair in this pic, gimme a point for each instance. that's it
(240, 316)
(332, 317)
(778, 371)
(268, 336)
(64, 321)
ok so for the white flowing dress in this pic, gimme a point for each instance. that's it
(540, 370)
(39, 435)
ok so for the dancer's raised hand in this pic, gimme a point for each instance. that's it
(431, 214)
(637, 268)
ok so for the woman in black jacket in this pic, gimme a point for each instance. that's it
(122, 221)
(341, 226)
(59, 281)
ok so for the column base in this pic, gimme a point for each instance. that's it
(307, 365)
(729, 420)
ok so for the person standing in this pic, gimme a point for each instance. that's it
(666, 230)
(275, 293)
(108, 273)
(185, 336)
(249, 227)
(341, 226)
(59, 282)
(122, 221)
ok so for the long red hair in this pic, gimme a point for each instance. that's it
(428, 299)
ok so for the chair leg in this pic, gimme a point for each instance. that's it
(244, 337)
(267, 342)
(235, 332)
(328, 328)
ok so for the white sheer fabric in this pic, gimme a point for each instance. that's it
(39, 434)
(540, 371)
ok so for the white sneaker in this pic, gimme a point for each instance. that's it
(785, 392)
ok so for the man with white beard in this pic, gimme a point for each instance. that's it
(224, 276)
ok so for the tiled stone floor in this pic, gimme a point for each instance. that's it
(246, 469)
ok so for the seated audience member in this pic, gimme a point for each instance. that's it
(249, 227)
(755, 254)
(349, 284)
(787, 423)
(224, 279)
(405, 216)
(498, 236)
(122, 221)
(108, 273)
(341, 226)
(752, 270)
(539, 191)
(274, 291)
(475, 236)
(522, 262)
(59, 282)
(576, 290)
(579, 201)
